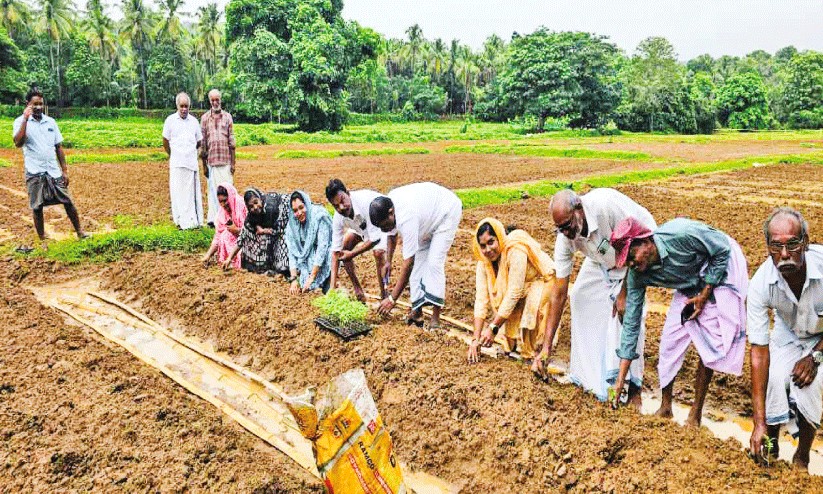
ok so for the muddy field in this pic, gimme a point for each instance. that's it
(79, 414)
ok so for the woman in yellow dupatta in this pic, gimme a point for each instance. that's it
(514, 277)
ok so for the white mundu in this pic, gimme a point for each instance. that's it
(595, 332)
(427, 217)
(797, 329)
(360, 224)
(185, 193)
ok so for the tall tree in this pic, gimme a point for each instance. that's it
(100, 30)
(208, 34)
(416, 38)
(15, 15)
(55, 20)
(169, 28)
(136, 27)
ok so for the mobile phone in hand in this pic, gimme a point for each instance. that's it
(688, 310)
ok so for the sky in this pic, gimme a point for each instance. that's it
(694, 27)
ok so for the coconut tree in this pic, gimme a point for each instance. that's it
(466, 69)
(55, 20)
(170, 28)
(100, 29)
(208, 34)
(416, 38)
(136, 27)
(15, 15)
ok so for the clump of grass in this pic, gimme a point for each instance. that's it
(114, 158)
(4, 163)
(547, 152)
(338, 305)
(336, 153)
(243, 155)
(111, 246)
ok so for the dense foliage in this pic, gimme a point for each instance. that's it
(299, 62)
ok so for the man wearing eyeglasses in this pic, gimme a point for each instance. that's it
(708, 271)
(786, 385)
(584, 224)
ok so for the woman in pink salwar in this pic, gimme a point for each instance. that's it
(227, 224)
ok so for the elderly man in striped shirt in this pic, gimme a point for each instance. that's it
(218, 151)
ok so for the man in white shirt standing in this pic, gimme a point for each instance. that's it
(427, 216)
(47, 175)
(353, 234)
(584, 225)
(182, 137)
(786, 385)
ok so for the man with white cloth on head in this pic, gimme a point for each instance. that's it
(181, 138)
(786, 385)
(427, 216)
(584, 225)
(218, 151)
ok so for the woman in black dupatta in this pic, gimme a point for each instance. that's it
(262, 238)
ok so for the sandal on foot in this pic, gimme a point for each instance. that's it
(412, 320)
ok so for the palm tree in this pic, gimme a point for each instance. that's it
(15, 14)
(136, 25)
(494, 49)
(437, 58)
(170, 27)
(208, 40)
(465, 70)
(100, 28)
(415, 35)
(55, 20)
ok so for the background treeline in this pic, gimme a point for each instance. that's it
(298, 61)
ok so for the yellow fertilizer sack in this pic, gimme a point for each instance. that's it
(352, 448)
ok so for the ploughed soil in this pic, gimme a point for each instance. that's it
(79, 414)
(716, 150)
(487, 427)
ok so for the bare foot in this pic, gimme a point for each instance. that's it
(692, 422)
(801, 461)
(636, 401)
(664, 412)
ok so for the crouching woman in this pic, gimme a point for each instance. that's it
(308, 238)
(514, 277)
(227, 224)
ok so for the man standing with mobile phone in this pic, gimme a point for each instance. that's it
(708, 271)
(47, 174)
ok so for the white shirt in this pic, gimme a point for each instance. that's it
(183, 136)
(604, 209)
(793, 318)
(361, 223)
(39, 154)
(419, 211)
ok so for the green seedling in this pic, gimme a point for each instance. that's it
(768, 446)
(338, 305)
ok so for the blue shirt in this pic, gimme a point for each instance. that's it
(692, 254)
(39, 154)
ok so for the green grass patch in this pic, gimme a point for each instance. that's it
(547, 152)
(111, 246)
(4, 163)
(336, 153)
(114, 158)
(500, 195)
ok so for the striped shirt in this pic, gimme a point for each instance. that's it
(218, 137)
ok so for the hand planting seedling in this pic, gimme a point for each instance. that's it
(766, 449)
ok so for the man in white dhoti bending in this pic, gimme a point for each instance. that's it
(584, 224)
(786, 385)
(426, 215)
(181, 138)
(218, 151)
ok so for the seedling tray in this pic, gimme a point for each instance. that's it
(345, 331)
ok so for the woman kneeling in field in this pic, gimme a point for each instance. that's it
(308, 238)
(227, 224)
(515, 277)
(262, 238)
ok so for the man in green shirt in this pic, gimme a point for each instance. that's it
(708, 271)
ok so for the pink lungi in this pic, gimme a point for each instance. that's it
(718, 333)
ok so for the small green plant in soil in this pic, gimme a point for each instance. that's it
(338, 306)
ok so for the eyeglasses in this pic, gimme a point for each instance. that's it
(564, 227)
(794, 245)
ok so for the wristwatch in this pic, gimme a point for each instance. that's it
(817, 356)
(494, 327)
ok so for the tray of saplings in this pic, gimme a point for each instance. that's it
(341, 315)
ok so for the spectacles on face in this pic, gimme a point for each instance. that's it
(565, 227)
(794, 245)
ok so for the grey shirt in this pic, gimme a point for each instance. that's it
(692, 254)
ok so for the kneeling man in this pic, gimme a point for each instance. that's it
(786, 385)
